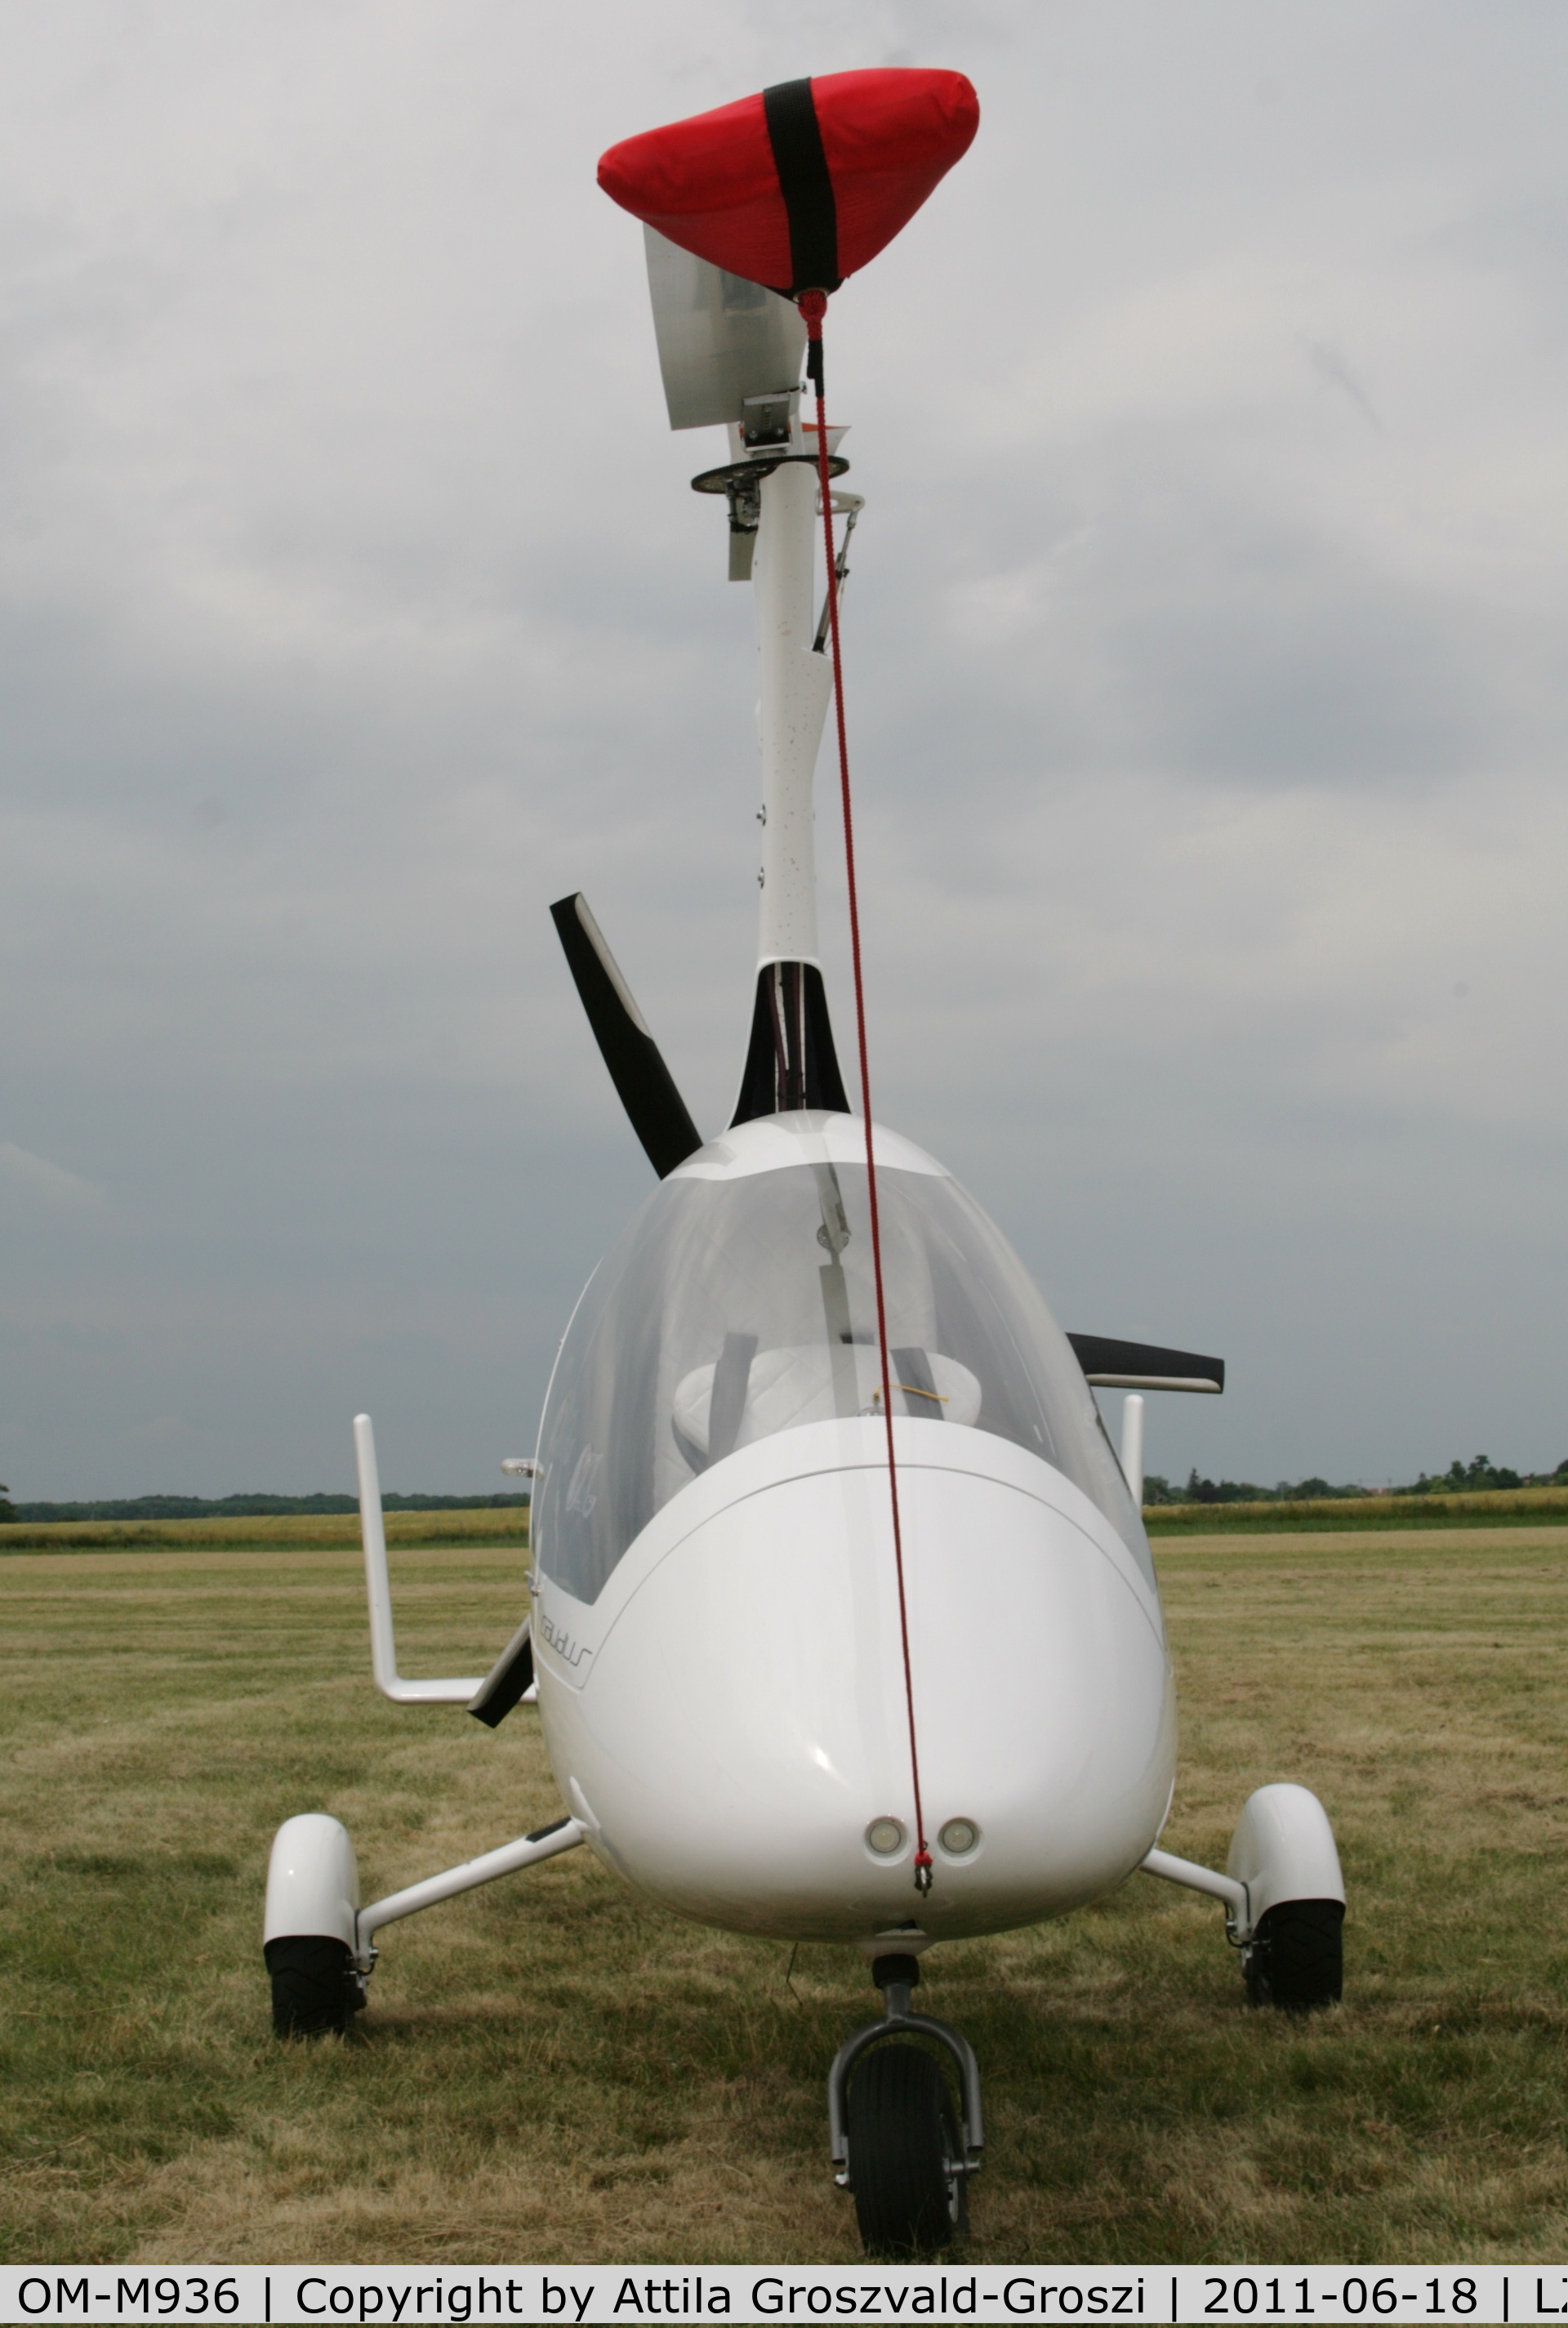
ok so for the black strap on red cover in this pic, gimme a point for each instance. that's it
(806, 184)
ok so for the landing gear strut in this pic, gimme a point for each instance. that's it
(896, 2142)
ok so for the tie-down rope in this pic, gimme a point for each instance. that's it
(814, 307)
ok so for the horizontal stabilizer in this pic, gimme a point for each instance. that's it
(1144, 1365)
(647, 1090)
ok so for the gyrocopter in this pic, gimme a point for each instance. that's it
(843, 1621)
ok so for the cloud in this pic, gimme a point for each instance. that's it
(353, 605)
(36, 1177)
(1333, 368)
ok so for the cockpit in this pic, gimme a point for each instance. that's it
(740, 1302)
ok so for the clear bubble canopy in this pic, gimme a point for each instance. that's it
(739, 1303)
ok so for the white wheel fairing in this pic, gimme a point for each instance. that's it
(733, 1707)
(313, 1885)
(1284, 1849)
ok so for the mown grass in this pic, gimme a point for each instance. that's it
(1482, 1507)
(550, 2071)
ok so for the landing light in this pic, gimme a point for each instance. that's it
(958, 1837)
(886, 1836)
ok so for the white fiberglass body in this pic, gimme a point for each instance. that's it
(736, 1656)
(715, 1614)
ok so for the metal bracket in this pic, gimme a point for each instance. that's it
(756, 466)
(544, 1843)
(1237, 1901)
(898, 2021)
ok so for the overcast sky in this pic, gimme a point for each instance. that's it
(1206, 690)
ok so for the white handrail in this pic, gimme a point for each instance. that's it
(1133, 1445)
(379, 1593)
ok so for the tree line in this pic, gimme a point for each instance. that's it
(243, 1507)
(1459, 1478)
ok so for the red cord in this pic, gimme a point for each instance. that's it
(814, 307)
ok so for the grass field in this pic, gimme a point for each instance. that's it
(550, 2072)
(285, 1531)
(1485, 1507)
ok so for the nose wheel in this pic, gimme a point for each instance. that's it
(897, 2143)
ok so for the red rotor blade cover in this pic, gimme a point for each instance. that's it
(803, 183)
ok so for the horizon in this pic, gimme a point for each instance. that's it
(33, 1506)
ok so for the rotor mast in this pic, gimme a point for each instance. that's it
(790, 1062)
(729, 351)
(796, 686)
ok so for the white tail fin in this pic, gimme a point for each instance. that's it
(720, 338)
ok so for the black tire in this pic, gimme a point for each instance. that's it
(903, 2151)
(315, 1986)
(1295, 1960)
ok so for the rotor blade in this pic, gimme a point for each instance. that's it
(646, 1087)
(1142, 1366)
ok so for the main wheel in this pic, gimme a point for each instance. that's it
(1295, 1961)
(905, 2163)
(314, 1986)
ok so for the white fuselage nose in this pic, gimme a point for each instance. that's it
(731, 1717)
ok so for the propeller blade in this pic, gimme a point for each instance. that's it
(1144, 1365)
(509, 1680)
(646, 1087)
